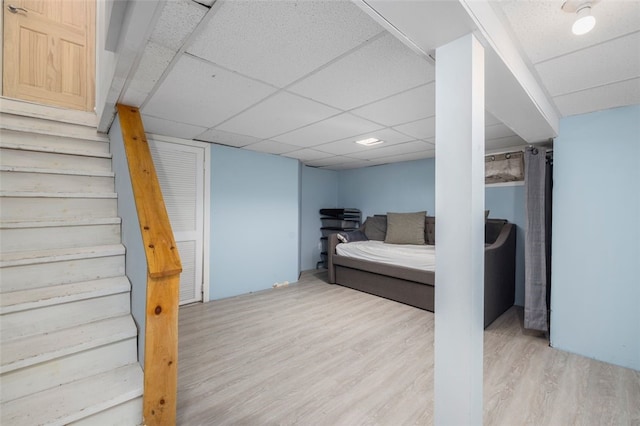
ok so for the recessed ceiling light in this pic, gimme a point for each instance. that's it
(369, 142)
(585, 21)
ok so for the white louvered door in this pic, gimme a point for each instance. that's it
(180, 170)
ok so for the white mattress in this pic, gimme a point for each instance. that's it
(408, 255)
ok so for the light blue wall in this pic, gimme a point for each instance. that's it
(319, 190)
(595, 299)
(254, 221)
(398, 187)
(135, 259)
(507, 202)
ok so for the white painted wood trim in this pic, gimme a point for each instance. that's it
(206, 272)
(501, 184)
(30, 109)
(459, 294)
(495, 34)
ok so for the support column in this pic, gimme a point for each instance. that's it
(459, 286)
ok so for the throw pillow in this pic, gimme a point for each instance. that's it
(405, 228)
(351, 236)
(375, 228)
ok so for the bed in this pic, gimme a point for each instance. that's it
(413, 284)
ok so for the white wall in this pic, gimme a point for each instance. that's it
(595, 293)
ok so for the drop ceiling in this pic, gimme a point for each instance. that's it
(306, 79)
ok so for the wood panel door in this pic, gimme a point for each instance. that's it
(49, 52)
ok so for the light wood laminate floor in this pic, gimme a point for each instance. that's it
(320, 354)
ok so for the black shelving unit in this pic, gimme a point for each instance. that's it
(336, 220)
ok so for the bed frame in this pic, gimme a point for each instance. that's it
(416, 288)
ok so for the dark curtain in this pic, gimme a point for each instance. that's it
(535, 245)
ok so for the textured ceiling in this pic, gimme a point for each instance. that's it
(306, 79)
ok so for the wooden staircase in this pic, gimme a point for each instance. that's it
(68, 351)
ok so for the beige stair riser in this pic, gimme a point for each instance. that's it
(57, 317)
(65, 404)
(128, 413)
(58, 237)
(23, 208)
(49, 182)
(36, 378)
(49, 127)
(45, 274)
(48, 142)
(24, 300)
(48, 160)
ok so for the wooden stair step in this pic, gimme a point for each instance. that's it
(36, 378)
(25, 108)
(58, 255)
(52, 238)
(42, 181)
(31, 350)
(28, 207)
(22, 300)
(76, 400)
(28, 194)
(46, 223)
(36, 139)
(54, 160)
(92, 173)
(48, 127)
(53, 150)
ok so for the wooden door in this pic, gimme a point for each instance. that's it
(49, 52)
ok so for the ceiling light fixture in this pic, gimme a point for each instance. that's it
(369, 142)
(585, 21)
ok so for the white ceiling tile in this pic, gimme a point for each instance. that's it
(164, 127)
(199, 93)
(155, 60)
(609, 62)
(604, 97)
(403, 148)
(307, 154)
(329, 130)
(226, 138)
(376, 70)
(401, 108)
(281, 41)
(348, 145)
(419, 129)
(177, 21)
(271, 147)
(497, 131)
(544, 30)
(278, 114)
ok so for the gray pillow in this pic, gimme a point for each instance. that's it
(375, 228)
(405, 228)
(351, 236)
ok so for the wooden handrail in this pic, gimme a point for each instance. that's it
(163, 275)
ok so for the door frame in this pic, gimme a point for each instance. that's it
(206, 238)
